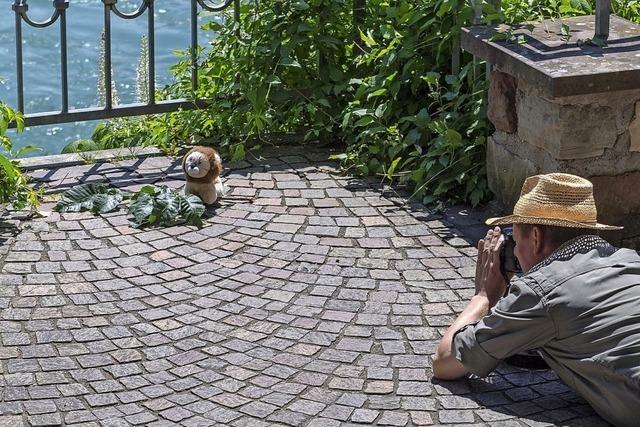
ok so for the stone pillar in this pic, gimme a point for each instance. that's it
(560, 106)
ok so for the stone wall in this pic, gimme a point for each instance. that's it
(596, 136)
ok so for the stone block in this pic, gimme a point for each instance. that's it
(569, 128)
(506, 171)
(556, 67)
(501, 109)
(567, 119)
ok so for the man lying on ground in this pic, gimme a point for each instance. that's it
(577, 303)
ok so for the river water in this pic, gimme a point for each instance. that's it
(41, 52)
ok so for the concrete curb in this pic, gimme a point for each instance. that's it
(65, 160)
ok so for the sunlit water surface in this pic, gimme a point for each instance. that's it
(41, 52)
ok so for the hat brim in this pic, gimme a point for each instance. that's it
(518, 219)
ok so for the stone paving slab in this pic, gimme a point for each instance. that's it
(308, 299)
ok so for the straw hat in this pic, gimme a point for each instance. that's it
(557, 199)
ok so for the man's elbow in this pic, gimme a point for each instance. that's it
(447, 367)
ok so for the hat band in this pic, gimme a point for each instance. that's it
(572, 215)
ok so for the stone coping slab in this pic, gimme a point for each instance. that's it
(308, 299)
(57, 161)
(562, 68)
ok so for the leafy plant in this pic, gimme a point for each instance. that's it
(565, 32)
(165, 207)
(509, 36)
(94, 197)
(81, 145)
(152, 205)
(142, 71)
(14, 184)
(102, 76)
(414, 119)
(384, 88)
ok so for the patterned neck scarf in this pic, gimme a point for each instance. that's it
(578, 245)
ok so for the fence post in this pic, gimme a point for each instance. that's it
(603, 12)
(62, 6)
(108, 76)
(19, 8)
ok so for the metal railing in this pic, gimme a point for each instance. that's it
(603, 14)
(66, 114)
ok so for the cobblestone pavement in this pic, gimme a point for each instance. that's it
(308, 299)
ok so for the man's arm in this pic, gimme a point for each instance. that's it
(445, 365)
(490, 286)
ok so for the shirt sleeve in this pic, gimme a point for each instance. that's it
(518, 322)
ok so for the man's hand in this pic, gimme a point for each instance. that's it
(489, 280)
(490, 287)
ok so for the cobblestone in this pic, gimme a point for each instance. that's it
(306, 299)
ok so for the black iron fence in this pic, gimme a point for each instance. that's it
(109, 110)
(67, 114)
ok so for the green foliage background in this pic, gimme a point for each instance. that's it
(385, 88)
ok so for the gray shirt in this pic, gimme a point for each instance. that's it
(580, 308)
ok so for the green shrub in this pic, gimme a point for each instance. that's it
(387, 90)
(411, 116)
(14, 187)
(281, 70)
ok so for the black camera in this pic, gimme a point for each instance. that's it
(508, 261)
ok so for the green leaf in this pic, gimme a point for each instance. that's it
(393, 167)
(361, 112)
(498, 37)
(8, 167)
(380, 110)
(365, 121)
(476, 196)
(582, 6)
(163, 206)
(431, 78)
(335, 74)
(453, 137)
(27, 149)
(376, 93)
(324, 102)
(370, 42)
(413, 137)
(445, 7)
(272, 80)
(80, 145)
(300, 5)
(238, 153)
(341, 157)
(191, 209)
(287, 61)
(423, 119)
(94, 197)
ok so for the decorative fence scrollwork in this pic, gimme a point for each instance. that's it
(65, 115)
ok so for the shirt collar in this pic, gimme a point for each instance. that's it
(578, 245)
